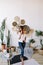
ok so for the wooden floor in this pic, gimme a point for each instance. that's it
(38, 58)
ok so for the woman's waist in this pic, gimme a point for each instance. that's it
(20, 40)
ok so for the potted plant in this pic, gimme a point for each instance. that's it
(8, 44)
(8, 41)
(2, 28)
(40, 34)
(32, 41)
(41, 49)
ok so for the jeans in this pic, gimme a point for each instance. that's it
(22, 46)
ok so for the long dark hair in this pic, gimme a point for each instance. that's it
(22, 28)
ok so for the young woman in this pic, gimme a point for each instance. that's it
(22, 43)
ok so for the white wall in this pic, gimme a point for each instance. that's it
(30, 10)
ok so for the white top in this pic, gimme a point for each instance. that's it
(22, 37)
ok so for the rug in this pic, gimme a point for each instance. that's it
(16, 59)
(28, 62)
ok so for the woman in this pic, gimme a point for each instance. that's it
(22, 43)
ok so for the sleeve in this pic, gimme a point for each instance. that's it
(19, 36)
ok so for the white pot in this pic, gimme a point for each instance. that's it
(32, 45)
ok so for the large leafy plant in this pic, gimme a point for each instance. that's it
(8, 41)
(40, 34)
(31, 43)
(2, 28)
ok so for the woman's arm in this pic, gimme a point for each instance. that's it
(24, 39)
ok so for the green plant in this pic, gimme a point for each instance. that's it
(2, 28)
(32, 41)
(41, 44)
(40, 33)
(0, 33)
(3, 25)
(8, 41)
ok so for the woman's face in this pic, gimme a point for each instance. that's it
(24, 32)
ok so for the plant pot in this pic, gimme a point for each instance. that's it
(12, 48)
(32, 45)
(40, 52)
(3, 46)
(7, 50)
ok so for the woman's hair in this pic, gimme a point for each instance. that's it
(21, 29)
